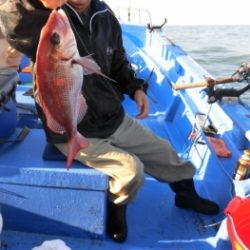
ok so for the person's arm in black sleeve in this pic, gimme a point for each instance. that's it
(122, 70)
(21, 24)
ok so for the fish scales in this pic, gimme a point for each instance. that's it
(59, 78)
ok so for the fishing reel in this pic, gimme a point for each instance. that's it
(243, 72)
(240, 75)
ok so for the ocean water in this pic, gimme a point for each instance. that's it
(219, 49)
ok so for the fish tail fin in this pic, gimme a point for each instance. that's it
(76, 143)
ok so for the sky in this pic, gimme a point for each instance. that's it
(190, 12)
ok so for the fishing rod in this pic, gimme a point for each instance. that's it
(240, 75)
(180, 86)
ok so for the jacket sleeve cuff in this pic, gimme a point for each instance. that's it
(143, 86)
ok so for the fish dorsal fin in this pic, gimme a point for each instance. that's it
(81, 109)
(90, 66)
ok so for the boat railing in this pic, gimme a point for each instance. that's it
(135, 15)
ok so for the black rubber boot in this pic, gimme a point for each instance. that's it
(187, 197)
(116, 223)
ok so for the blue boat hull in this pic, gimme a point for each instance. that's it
(153, 220)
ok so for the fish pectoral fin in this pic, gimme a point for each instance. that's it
(90, 66)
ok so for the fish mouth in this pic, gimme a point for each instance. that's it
(58, 33)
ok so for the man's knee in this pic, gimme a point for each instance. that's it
(135, 170)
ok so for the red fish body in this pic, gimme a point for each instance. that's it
(59, 79)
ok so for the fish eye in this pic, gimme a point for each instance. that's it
(55, 38)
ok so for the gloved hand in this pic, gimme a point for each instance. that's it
(53, 4)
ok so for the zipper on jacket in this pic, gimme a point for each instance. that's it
(91, 18)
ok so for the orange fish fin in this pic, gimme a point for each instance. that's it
(90, 66)
(81, 109)
(75, 143)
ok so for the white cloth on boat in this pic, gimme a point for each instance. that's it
(52, 245)
(126, 154)
(242, 187)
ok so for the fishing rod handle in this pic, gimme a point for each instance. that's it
(180, 86)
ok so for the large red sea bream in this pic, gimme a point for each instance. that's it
(59, 79)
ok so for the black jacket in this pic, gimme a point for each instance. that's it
(100, 35)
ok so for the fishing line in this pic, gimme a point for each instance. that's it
(214, 224)
(198, 135)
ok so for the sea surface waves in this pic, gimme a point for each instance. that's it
(220, 49)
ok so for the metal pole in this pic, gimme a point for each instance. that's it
(129, 7)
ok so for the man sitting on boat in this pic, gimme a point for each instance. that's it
(119, 145)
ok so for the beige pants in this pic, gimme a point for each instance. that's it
(125, 155)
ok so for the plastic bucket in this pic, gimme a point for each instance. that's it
(238, 222)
